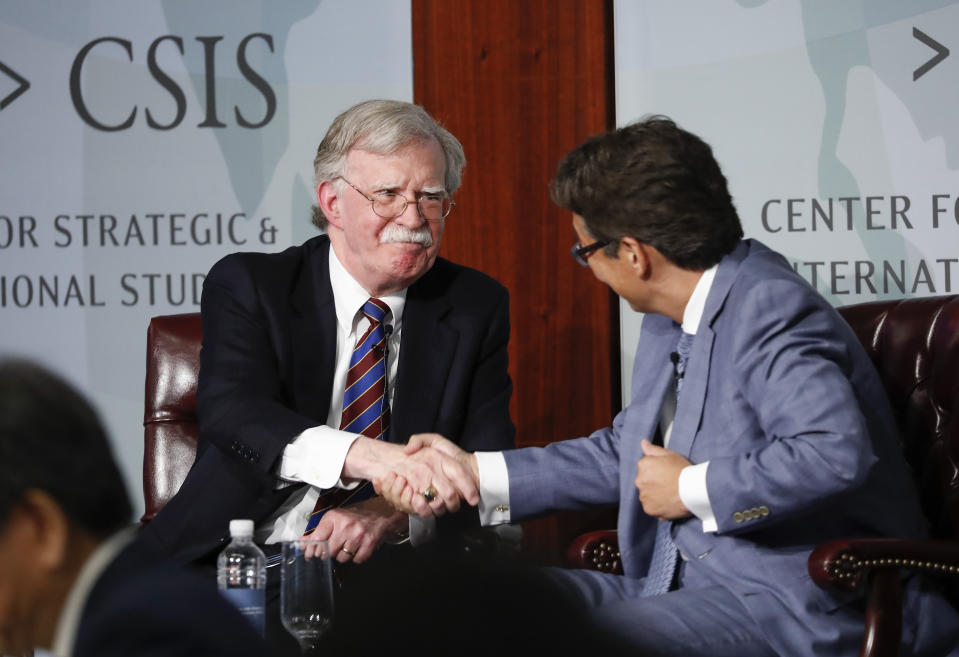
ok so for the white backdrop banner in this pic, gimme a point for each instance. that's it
(834, 123)
(141, 142)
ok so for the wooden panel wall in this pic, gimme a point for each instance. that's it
(520, 83)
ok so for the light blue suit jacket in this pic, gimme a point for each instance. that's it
(782, 401)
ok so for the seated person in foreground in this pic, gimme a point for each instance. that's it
(758, 427)
(73, 581)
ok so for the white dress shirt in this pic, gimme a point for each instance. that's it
(494, 477)
(317, 455)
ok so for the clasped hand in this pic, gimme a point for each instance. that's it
(401, 476)
(432, 467)
(657, 480)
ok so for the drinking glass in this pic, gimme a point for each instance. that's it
(306, 591)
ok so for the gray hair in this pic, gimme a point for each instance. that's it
(382, 127)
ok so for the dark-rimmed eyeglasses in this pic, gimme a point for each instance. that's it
(581, 253)
(389, 205)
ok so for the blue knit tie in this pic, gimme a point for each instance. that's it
(662, 567)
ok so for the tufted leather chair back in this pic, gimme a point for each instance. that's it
(169, 410)
(915, 346)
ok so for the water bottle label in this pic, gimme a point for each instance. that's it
(252, 605)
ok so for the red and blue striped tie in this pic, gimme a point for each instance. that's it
(366, 410)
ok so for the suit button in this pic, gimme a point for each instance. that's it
(764, 510)
(738, 516)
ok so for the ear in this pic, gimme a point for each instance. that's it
(41, 558)
(637, 255)
(327, 197)
(45, 528)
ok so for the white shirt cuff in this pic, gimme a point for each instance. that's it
(693, 493)
(316, 457)
(493, 488)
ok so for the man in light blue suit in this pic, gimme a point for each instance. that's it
(757, 428)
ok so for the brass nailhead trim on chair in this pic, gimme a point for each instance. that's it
(605, 558)
(848, 566)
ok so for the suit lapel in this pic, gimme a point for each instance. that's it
(427, 349)
(652, 376)
(689, 411)
(661, 379)
(313, 331)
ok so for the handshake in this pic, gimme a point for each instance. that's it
(430, 476)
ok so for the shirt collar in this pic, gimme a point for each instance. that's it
(349, 296)
(68, 623)
(693, 313)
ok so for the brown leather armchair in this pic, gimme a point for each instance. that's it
(169, 409)
(915, 346)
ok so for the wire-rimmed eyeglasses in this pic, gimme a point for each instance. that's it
(581, 253)
(389, 205)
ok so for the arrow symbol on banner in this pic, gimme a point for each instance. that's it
(941, 53)
(22, 85)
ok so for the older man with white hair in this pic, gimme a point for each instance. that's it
(319, 362)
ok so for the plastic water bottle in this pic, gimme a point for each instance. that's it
(241, 574)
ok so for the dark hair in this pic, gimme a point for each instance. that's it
(52, 440)
(655, 182)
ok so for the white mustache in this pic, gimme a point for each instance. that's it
(396, 233)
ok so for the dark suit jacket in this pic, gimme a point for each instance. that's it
(140, 606)
(266, 375)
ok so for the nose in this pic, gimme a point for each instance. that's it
(410, 217)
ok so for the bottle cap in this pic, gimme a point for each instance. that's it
(241, 528)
